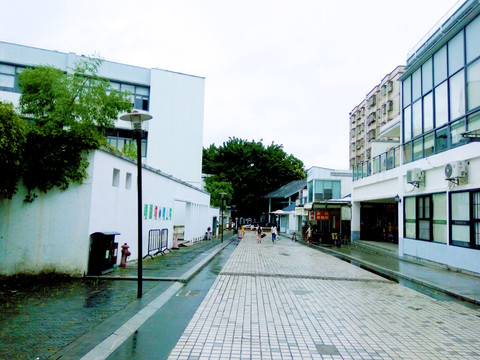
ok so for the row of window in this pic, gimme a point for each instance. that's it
(433, 218)
(119, 138)
(140, 95)
(440, 96)
(320, 190)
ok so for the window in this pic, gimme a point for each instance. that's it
(456, 131)
(474, 122)
(407, 152)
(128, 181)
(407, 124)
(410, 218)
(429, 145)
(473, 85)
(441, 140)
(455, 54)
(416, 84)
(439, 218)
(441, 105)
(424, 217)
(418, 149)
(428, 112)
(116, 178)
(460, 216)
(310, 191)
(427, 76)
(327, 189)
(417, 118)
(457, 95)
(465, 219)
(476, 218)
(407, 98)
(472, 35)
(440, 65)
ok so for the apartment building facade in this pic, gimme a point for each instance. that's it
(371, 130)
(436, 186)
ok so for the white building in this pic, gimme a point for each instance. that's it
(436, 183)
(53, 233)
(326, 204)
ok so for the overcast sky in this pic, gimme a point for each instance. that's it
(287, 72)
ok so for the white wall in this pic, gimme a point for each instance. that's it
(175, 136)
(53, 232)
(49, 234)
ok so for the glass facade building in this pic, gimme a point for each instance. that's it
(441, 97)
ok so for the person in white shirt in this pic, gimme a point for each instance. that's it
(274, 234)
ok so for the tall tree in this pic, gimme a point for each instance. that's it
(252, 170)
(12, 141)
(68, 114)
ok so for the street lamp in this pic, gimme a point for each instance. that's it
(222, 194)
(137, 118)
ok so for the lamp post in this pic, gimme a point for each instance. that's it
(137, 118)
(223, 194)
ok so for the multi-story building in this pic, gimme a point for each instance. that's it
(371, 124)
(436, 186)
(53, 232)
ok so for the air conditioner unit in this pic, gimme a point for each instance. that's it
(415, 175)
(455, 170)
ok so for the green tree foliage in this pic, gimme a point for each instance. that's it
(12, 140)
(252, 170)
(216, 188)
(68, 115)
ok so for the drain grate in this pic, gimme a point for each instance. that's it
(324, 349)
(188, 293)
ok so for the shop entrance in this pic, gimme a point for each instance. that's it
(379, 222)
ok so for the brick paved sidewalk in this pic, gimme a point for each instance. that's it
(288, 301)
(47, 318)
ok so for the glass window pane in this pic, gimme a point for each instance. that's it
(407, 98)
(418, 149)
(129, 88)
(472, 32)
(461, 235)
(441, 140)
(7, 81)
(427, 76)
(407, 124)
(455, 54)
(428, 143)
(410, 217)
(7, 69)
(440, 65)
(476, 205)
(424, 229)
(114, 85)
(140, 90)
(474, 122)
(441, 105)
(460, 206)
(473, 85)
(407, 153)
(416, 84)
(457, 95)
(440, 218)
(428, 112)
(456, 131)
(417, 118)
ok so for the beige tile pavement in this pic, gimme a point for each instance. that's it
(288, 301)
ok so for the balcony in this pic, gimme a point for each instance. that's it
(383, 162)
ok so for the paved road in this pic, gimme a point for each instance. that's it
(288, 301)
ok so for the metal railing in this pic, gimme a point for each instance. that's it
(157, 241)
(383, 162)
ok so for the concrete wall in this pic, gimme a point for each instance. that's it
(53, 232)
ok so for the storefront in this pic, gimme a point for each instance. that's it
(329, 220)
(379, 222)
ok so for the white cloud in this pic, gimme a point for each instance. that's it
(285, 71)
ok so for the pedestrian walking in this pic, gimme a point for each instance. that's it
(309, 233)
(274, 234)
(243, 231)
(259, 234)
